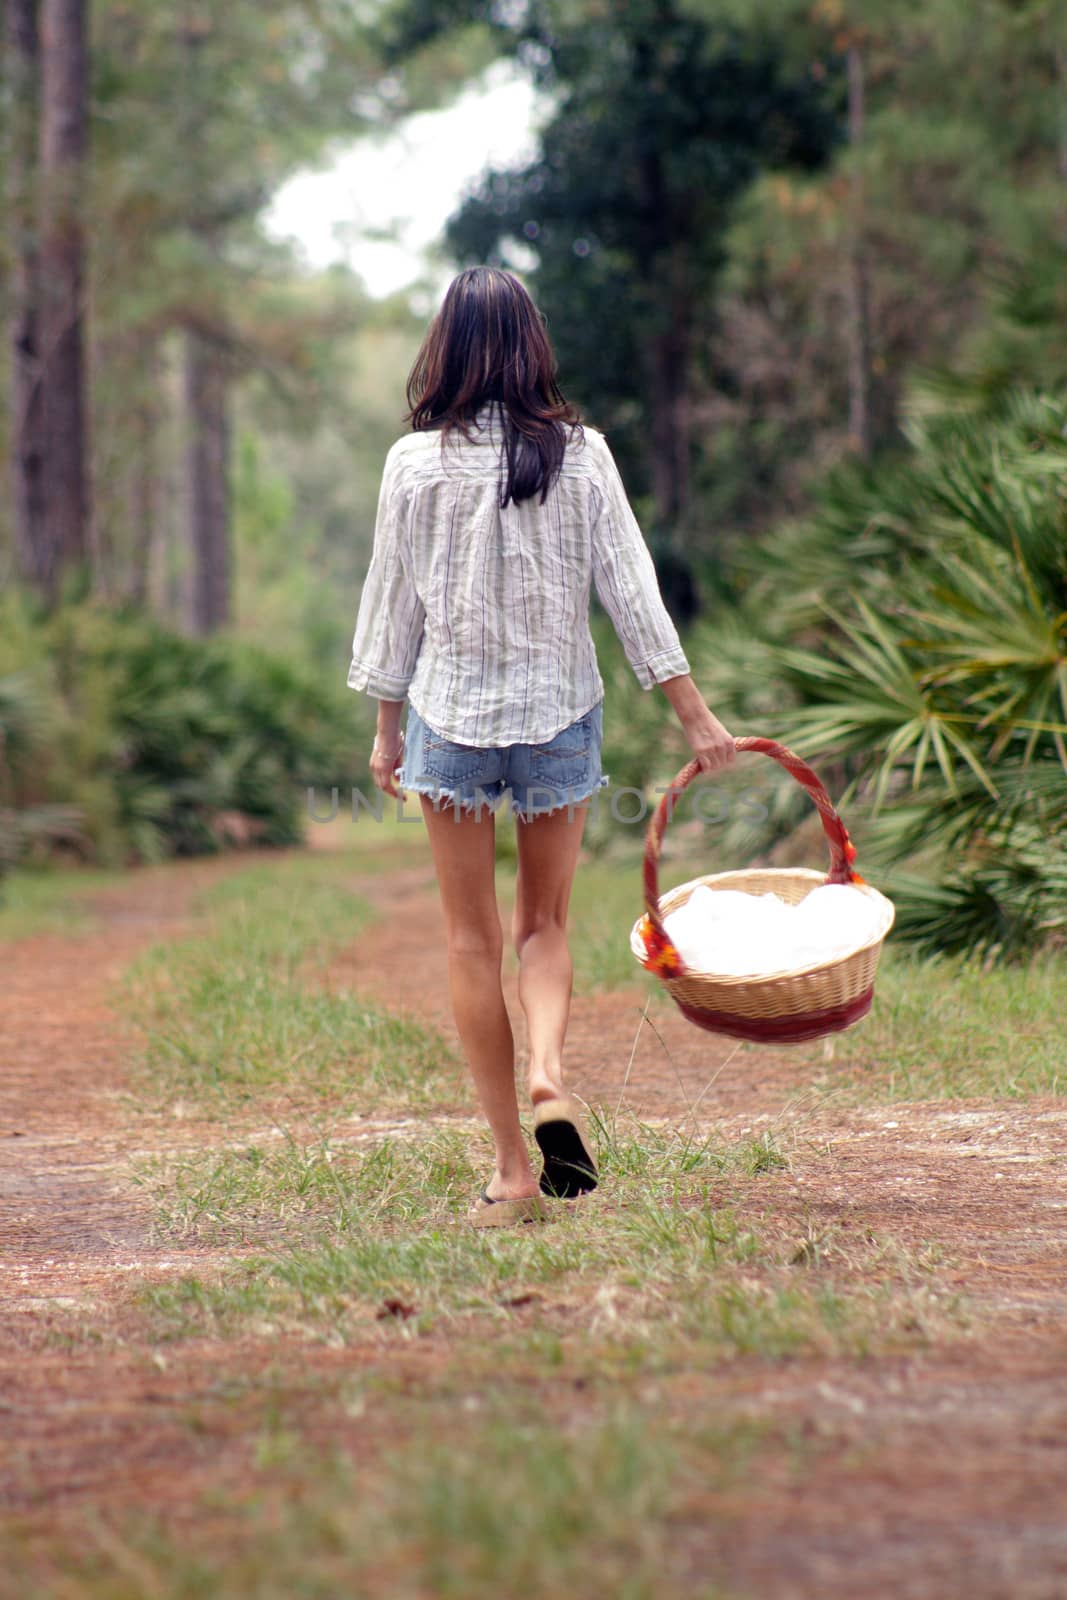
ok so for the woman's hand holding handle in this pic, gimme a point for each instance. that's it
(712, 744)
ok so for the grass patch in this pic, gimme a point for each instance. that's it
(682, 1250)
(242, 1007)
(611, 1499)
(674, 1286)
(950, 1029)
(225, 1195)
(426, 1180)
(52, 900)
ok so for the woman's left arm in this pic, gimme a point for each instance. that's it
(389, 627)
(388, 745)
(385, 645)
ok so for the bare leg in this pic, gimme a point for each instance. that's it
(548, 855)
(464, 853)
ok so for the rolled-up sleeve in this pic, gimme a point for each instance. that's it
(389, 626)
(626, 584)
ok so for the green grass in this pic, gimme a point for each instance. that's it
(678, 1247)
(52, 900)
(950, 1029)
(222, 1195)
(605, 903)
(521, 1496)
(242, 1007)
(425, 1179)
(675, 1284)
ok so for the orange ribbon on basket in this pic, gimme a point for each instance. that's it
(660, 955)
(850, 856)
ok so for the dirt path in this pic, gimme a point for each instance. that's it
(65, 1124)
(962, 1483)
(947, 1476)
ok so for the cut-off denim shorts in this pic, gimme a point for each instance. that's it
(562, 772)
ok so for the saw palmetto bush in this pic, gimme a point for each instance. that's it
(174, 746)
(28, 826)
(925, 605)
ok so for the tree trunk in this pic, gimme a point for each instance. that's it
(64, 95)
(1061, 85)
(144, 486)
(668, 359)
(207, 480)
(22, 51)
(663, 270)
(859, 313)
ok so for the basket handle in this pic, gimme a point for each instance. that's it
(842, 850)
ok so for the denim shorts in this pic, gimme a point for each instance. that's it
(564, 771)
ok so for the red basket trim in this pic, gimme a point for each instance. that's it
(780, 1030)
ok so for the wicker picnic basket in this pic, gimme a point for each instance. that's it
(773, 1008)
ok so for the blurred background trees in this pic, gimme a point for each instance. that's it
(803, 260)
(661, 122)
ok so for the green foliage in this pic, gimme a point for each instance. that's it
(953, 188)
(167, 745)
(940, 666)
(306, 480)
(660, 122)
(26, 828)
(204, 729)
(910, 638)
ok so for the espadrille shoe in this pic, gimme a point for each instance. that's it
(503, 1213)
(570, 1168)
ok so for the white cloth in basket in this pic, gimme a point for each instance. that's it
(737, 935)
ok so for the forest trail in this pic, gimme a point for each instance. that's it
(972, 1429)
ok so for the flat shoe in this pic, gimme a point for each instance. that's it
(489, 1213)
(570, 1168)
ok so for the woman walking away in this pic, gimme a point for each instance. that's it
(497, 512)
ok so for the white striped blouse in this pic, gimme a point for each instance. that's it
(480, 615)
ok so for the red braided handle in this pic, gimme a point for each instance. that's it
(842, 850)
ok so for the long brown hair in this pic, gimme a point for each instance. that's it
(488, 343)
